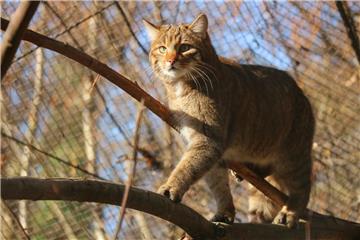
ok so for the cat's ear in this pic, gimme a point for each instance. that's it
(200, 25)
(152, 30)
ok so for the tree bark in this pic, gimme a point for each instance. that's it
(157, 205)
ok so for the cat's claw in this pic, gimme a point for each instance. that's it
(286, 217)
(170, 192)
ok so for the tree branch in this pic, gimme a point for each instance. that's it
(109, 193)
(7, 134)
(350, 27)
(194, 224)
(13, 35)
(278, 197)
(128, 86)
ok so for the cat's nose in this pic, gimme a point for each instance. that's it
(171, 61)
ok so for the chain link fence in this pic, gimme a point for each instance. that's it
(82, 127)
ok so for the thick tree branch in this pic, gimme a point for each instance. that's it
(28, 188)
(13, 35)
(195, 225)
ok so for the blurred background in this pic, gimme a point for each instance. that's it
(78, 130)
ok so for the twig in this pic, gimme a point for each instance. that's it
(132, 173)
(118, 6)
(51, 155)
(52, 10)
(68, 29)
(94, 82)
(13, 35)
(16, 220)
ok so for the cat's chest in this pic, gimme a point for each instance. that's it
(188, 117)
(179, 90)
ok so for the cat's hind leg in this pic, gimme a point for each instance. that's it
(261, 208)
(217, 180)
(295, 175)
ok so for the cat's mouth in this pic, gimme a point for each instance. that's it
(173, 72)
(172, 68)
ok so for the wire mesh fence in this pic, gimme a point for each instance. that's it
(80, 127)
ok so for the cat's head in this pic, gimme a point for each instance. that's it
(177, 50)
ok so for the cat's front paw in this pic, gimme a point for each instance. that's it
(224, 218)
(226, 215)
(286, 217)
(170, 192)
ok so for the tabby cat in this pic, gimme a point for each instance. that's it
(231, 112)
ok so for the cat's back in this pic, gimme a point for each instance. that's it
(266, 106)
(259, 78)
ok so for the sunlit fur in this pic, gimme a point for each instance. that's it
(229, 112)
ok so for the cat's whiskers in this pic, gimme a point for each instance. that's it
(209, 68)
(207, 77)
(197, 86)
(200, 77)
(205, 80)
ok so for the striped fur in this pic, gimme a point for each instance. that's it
(231, 112)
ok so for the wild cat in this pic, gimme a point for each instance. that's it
(230, 112)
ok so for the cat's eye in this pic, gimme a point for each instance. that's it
(184, 47)
(162, 49)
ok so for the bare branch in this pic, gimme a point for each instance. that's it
(108, 193)
(193, 223)
(13, 35)
(128, 24)
(350, 26)
(32, 147)
(278, 197)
